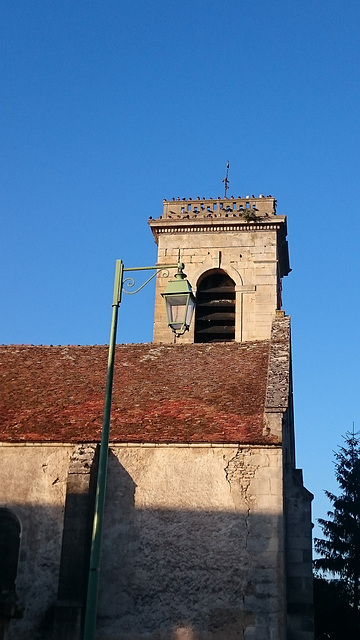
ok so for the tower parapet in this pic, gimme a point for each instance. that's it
(219, 208)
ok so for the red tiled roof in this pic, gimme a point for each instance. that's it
(162, 393)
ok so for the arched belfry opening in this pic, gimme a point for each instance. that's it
(215, 308)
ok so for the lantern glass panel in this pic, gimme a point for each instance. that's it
(176, 310)
(190, 310)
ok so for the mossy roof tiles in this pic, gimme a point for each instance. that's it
(196, 393)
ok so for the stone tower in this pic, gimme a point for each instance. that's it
(235, 253)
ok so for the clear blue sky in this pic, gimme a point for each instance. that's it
(109, 107)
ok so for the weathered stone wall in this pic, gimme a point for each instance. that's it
(300, 615)
(249, 257)
(193, 544)
(33, 485)
(76, 541)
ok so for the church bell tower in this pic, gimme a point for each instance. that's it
(235, 253)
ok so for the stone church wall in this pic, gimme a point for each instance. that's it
(300, 612)
(192, 544)
(33, 486)
(193, 547)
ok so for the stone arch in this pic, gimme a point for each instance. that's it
(215, 307)
(197, 274)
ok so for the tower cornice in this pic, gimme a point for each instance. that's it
(203, 225)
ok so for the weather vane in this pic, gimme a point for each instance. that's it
(226, 179)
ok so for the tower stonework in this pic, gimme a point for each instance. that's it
(242, 238)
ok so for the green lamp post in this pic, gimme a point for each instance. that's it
(180, 304)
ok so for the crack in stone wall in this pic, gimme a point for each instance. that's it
(239, 472)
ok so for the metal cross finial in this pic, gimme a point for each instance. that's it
(226, 179)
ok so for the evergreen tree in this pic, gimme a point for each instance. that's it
(340, 548)
(334, 618)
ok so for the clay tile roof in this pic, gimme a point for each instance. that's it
(194, 393)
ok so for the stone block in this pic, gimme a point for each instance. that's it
(260, 486)
(299, 569)
(276, 486)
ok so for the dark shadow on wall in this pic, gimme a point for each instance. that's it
(10, 533)
(38, 569)
(68, 614)
(53, 568)
(186, 573)
(166, 574)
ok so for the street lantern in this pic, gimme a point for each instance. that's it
(179, 302)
